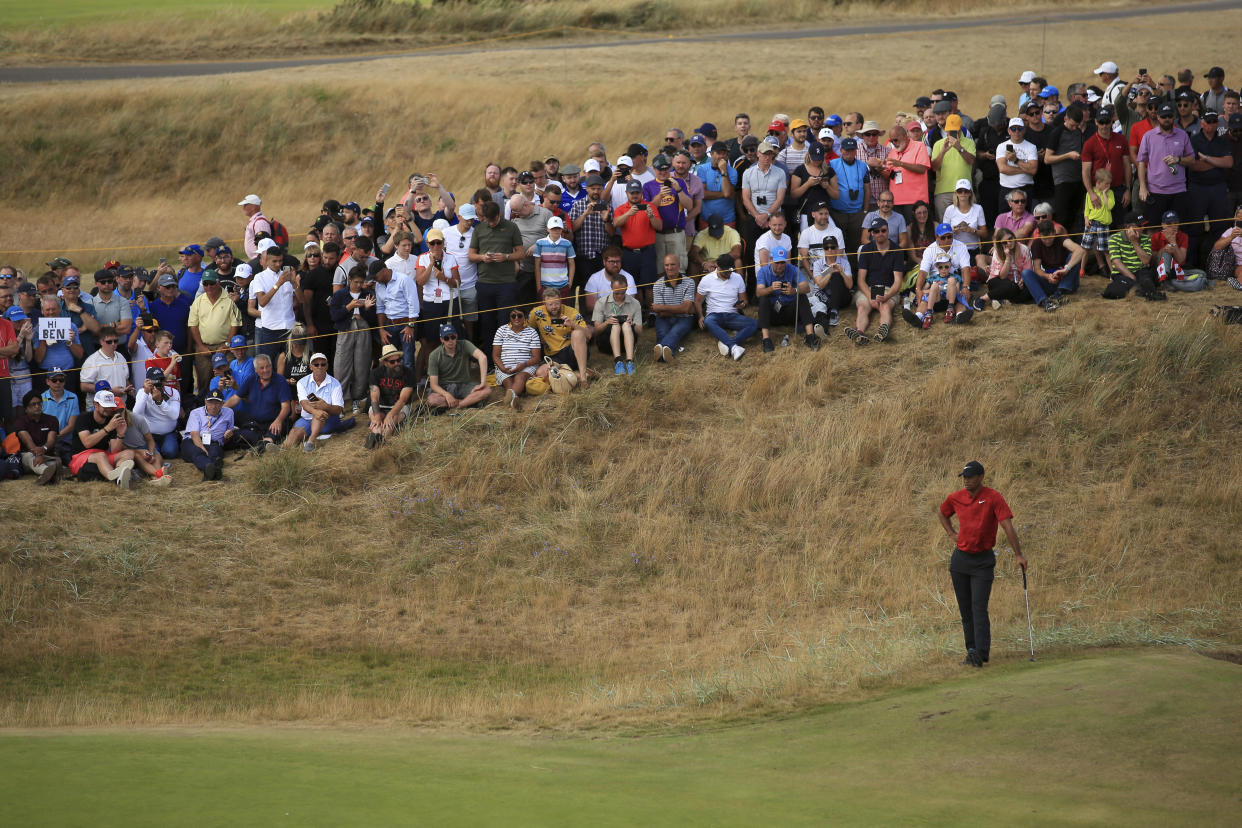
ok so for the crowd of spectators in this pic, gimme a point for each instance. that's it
(434, 300)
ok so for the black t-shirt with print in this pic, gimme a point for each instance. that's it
(390, 387)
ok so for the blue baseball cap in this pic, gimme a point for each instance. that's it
(190, 248)
(351, 205)
(237, 341)
(944, 229)
(833, 120)
(467, 212)
(447, 330)
(15, 314)
(155, 375)
(780, 254)
(1049, 91)
(849, 144)
(219, 360)
(103, 385)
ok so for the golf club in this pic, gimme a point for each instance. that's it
(1030, 633)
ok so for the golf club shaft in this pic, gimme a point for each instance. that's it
(1030, 632)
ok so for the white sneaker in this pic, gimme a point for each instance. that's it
(723, 348)
(658, 351)
(737, 352)
(819, 330)
(123, 474)
(668, 353)
(162, 480)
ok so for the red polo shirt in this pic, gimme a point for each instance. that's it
(977, 517)
(1109, 152)
(637, 231)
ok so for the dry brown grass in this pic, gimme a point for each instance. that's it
(708, 537)
(741, 537)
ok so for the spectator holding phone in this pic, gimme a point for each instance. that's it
(618, 323)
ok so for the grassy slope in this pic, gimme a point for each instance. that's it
(75, 13)
(1122, 738)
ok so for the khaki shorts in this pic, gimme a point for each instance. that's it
(863, 300)
(469, 304)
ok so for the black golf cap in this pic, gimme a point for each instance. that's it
(973, 469)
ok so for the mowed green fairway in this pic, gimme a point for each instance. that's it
(1109, 738)
(22, 13)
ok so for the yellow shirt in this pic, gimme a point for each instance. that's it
(214, 321)
(712, 248)
(555, 336)
(1104, 213)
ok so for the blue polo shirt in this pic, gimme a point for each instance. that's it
(850, 177)
(173, 318)
(241, 411)
(264, 403)
(766, 276)
(712, 180)
(243, 370)
(64, 411)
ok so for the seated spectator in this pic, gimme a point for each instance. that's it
(1017, 219)
(713, 241)
(951, 285)
(1056, 262)
(719, 301)
(321, 401)
(563, 332)
(781, 290)
(207, 431)
(600, 283)
(618, 324)
(922, 232)
(898, 229)
(223, 382)
(880, 271)
(516, 353)
(392, 389)
(1130, 255)
(1168, 247)
(832, 284)
(136, 436)
(37, 433)
(294, 363)
(159, 405)
(59, 402)
(774, 238)
(269, 403)
(448, 372)
(1010, 259)
(673, 309)
(1232, 238)
(942, 283)
(97, 451)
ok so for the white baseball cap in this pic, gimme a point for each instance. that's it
(266, 245)
(318, 355)
(591, 166)
(963, 184)
(1026, 77)
(1107, 66)
(1013, 122)
(105, 399)
(250, 199)
(826, 132)
(625, 161)
(243, 271)
(555, 221)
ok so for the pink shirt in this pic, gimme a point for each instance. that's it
(252, 227)
(1021, 262)
(913, 186)
(1006, 221)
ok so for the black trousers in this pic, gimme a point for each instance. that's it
(785, 314)
(972, 584)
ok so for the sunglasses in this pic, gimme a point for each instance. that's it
(55, 379)
(461, 242)
(945, 236)
(879, 230)
(1017, 201)
(435, 242)
(314, 255)
(944, 267)
(670, 140)
(319, 364)
(452, 338)
(351, 238)
(517, 316)
(109, 341)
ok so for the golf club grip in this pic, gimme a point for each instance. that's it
(1023, 567)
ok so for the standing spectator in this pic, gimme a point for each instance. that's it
(952, 159)
(1214, 98)
(638, 223)
(1107, 149)
(673, 309)
(213, 321)
(719, 301)
(531, 219)
(52, 354)
(554, 259)
(272, 295)
(1163, 156)
(813, 185)
(437, 277)
(1064, 156)
(315, 283)
(741, 128)
(191, 270)
(875, 153)
(908, 163)
(10, 345)
(171, 310)
(1098, 217)
(854, 199)
(496, 247)
(256, 223)
(109, 308)
(720, 181)
(353, 314)
(670, 197)
(682, 172)
(763, 193)
(591, 219)
(989, 136)
(1017, 161)
(1207, 193)
(457, 242)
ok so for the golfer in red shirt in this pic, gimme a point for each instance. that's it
(979, 511)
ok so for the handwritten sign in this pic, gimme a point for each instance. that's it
(55, 329)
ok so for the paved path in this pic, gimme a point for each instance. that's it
(118, 71)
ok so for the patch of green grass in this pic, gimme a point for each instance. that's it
(1053, 742)
(14, 13)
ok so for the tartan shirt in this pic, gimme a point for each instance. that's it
(878, 183)
(593, 236)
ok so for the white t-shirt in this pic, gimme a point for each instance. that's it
(769, 243)
(721, 293)
(399, 265)
(812, 241)
(330, 392)
(138, 368)
(974, 217)
(160, 417)
(957, 252)
(277, 314)
(601, 284)
(1026, 152)
(99, 367)
(457, 244)
(435, 290)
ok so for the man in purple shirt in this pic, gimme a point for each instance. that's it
(1163, 156)
(672, 199)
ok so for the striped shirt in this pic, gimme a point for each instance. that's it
(666, 294)
(554, 259)
(877, 182)
(1119, 248)
(515, 346)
